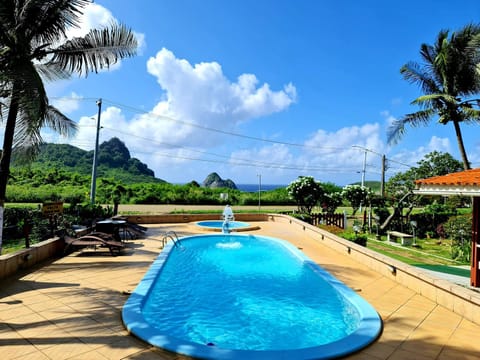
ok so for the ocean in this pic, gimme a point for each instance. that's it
(254, 187)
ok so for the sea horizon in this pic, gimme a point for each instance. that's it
(255, 187)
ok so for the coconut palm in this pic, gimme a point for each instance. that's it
(34, 49)
(449, 78)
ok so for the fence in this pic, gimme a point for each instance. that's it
(337, 220)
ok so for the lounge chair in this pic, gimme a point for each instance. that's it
(93, 240)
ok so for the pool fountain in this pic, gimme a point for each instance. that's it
(227, 217)
(247, 297)
(227, 224)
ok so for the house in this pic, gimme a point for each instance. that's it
(463, 183)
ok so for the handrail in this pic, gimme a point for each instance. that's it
(172, 235)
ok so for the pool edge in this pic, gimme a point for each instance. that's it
(369, 330)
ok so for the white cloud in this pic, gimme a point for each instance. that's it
(69, 104)
(195, 97)
(389, 118)
(96, 17)
(412, 157)
(339, 145)
(142, 43)
(328, 156)
(439, 144)
(110, 118)
(202, 95)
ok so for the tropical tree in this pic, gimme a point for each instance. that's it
(449, 78)
(399, 187)
(34, 49)
(306, 192)
(356, 195)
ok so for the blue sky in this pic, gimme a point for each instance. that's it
(277, 88)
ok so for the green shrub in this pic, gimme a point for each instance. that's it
(459, 229)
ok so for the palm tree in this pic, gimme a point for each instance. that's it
(34, 48)
(449, 77)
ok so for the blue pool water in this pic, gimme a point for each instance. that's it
(247, 297)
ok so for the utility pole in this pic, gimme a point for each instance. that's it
(382, 183)
(364, 168)
(95, 155)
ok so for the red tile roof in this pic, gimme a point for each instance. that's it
(462, 178)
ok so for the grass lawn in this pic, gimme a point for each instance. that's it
(431, 254)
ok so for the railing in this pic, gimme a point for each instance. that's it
(171, 235)
(337, 220)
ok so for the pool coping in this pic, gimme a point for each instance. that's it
(370, 325)
(250, 227)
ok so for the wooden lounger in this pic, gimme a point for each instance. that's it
(94, 240)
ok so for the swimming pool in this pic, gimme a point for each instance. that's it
(218, 225)
(247, 297)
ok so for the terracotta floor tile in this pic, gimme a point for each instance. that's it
(71, 308)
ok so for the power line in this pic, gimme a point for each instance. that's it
(236, 161)
(218, 130)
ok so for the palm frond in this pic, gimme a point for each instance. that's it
(47, 21)
(59, 122)
(28, 89)
(28, 139)
(436, 101)
(470, 115)
(97, 50)
(398, 128)
(52, 72)
(416, 74)
(427, 52)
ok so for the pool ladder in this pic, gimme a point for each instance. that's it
(171, 235)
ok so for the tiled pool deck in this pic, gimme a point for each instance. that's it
(71, 308)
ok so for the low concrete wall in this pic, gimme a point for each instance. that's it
(186, 218)
(461, 300)
(23, 259)
(10, 264)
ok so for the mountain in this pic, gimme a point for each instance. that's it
(215, 181)
(113, 161)
(372, 184)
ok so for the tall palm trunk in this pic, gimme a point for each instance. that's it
(6, 156)
(461, 146)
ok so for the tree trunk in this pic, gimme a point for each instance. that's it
(461, 146)
(397, 211)
(6, 157)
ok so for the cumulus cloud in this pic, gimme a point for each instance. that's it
(197, 98)
(201, 94)
(68, 104)
(345, 147)
(112, 120)
(96, 16)
(328, 156)
(412, 157)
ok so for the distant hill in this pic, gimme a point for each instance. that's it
(213, 181)
(372, 185)
(114, 161)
